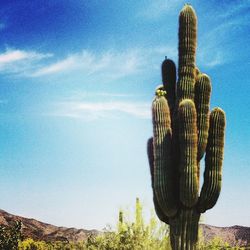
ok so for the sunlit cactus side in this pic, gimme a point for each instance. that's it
(158, 210)
(202, 100)
(187, 51)
(188, 153)
(163, 156)
(213, 161)
(184, 130)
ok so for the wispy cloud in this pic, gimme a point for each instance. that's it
(216, 46)
(114, 64)
(15, 61)
(16, 55)
(89, 95)
(213, 59)
(60, 66)
(109, 65)
(96, 110)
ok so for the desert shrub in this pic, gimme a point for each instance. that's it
(30, 244)
(217, 244)
(132, 235)
(10, 236)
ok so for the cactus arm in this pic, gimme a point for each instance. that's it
(150, 152)
(164, 184)
(189, 188)
(169, 82)
(202, 101)
(213, 161)
(187, 51)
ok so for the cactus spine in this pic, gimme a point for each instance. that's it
(183, 131)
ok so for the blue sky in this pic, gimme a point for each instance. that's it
(76, 83)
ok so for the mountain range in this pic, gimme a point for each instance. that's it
(37, 230)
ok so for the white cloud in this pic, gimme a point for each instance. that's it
(15, 61)
(213, 59)
(85, 95)
(16, 55)
(111, 64)
(63, 65)
(108, 66)
(12, 56)
(95, 110)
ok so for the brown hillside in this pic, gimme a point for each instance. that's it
(234, 236)
(37, 230)
(31, 228)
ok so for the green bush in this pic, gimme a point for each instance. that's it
(10, 236)
(133, 235)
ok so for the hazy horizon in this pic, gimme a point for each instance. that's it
(76, 83)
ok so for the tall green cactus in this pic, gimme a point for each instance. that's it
(183, 131)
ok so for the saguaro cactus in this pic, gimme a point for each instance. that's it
(183, 131)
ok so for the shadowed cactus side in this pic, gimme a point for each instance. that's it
(183, 131)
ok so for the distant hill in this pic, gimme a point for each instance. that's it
(235, 235)
(37, 230)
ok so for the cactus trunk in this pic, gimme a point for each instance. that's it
(184, 230)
